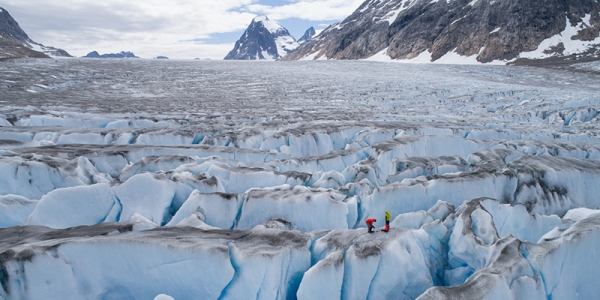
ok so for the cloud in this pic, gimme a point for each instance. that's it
(140, 16)
(152, 26)
(146, 26)
(313, 10)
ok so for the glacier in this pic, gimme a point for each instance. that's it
(253, 180)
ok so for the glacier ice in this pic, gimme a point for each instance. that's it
(221, 180)
(14, 210)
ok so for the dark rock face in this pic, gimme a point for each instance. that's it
(122, 54)
(263, 40)
(492, 30)
(15, 43)
(13, 40)
(10, 28)
(307, 35)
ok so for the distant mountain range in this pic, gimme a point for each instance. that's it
(481, 30)
(473, 31)
(263, 40)
(122, 54)
(15, 43)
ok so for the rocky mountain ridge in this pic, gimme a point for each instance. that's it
(486, 30)
(15, 43)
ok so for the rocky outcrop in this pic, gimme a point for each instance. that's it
(486, 29)
(15, 43)
(263, 40)
(122, 54)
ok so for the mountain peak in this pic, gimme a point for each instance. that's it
(307, 35)
(264, 39)
(270, 25)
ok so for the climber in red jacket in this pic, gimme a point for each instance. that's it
(370, 225)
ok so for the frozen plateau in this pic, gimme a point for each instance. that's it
(150, 179)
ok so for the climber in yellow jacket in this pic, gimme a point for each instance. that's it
(388, 216)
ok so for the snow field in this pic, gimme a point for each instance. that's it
(490, 174)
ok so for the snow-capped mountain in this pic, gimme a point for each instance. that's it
(473, 30)
(263, 40)
(307, 35)
(15, 43)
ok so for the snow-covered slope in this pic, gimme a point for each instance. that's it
(459, 32)
(263, 40)
(14, 42)
(224, 180)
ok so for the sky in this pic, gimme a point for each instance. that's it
(180, 29)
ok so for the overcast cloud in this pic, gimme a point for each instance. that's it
(175, 28)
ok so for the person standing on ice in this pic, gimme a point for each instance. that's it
(388, 216)
(370, 225)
